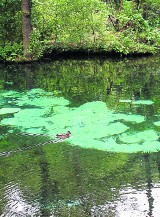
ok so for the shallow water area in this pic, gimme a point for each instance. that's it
(110, 164)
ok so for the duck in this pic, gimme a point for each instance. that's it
(64, 135)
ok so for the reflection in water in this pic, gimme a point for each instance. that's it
(46, 188)
(58, 179)
(61, 180)
(29, 76)
(16, 204)
(149, 184)
(131, 203)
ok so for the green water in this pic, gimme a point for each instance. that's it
(110, 166)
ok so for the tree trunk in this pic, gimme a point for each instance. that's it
(26, 26)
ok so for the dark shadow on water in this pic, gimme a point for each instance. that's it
(149, 184)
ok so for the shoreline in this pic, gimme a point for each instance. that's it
(80, 54)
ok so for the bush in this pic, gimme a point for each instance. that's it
(11, 51)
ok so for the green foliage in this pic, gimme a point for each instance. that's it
(10, 21)
(11, 51)
(91, 31)
(36, 45)
(133, 27)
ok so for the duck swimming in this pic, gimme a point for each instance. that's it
(64, 135)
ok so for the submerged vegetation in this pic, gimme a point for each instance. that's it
(30, 31)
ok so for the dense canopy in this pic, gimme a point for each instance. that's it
(124, 27)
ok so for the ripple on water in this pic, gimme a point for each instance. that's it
(15, 204)
(131, 202)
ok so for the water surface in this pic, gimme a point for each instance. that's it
(110, 166)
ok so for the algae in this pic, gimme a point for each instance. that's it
(4, 111)
(93, 124)
(137, 102)
(157, 123)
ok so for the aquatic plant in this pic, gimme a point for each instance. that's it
(92, 124)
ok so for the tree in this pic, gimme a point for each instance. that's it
(26, 26)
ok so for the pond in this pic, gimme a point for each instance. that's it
(109, 166)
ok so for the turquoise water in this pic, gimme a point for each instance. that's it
(111, 161)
